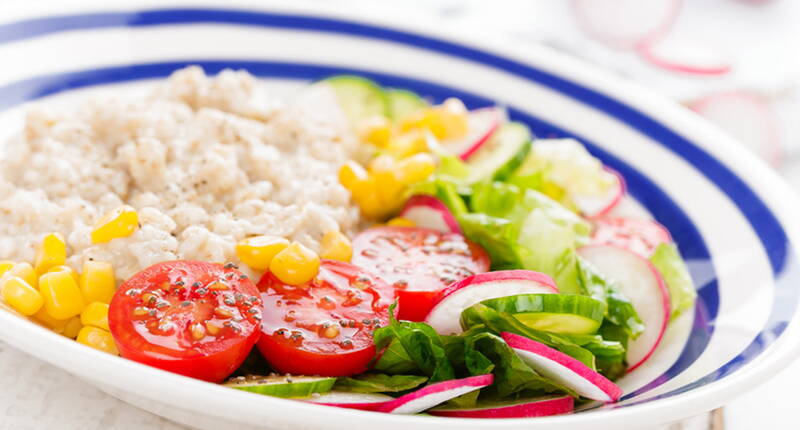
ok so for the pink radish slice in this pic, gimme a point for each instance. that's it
(641, 283)
(525, 408)
(429, 212)
(637, 235)
(563, 369)
(628, 207)
(685, 57)
(445, 315)
(361, 401)
(746, 116)
(481, 124)
(435, 394)
(625, 24)
(597, 206)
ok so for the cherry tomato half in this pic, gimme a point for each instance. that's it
(418, 262)
(193, 318)
(323, 327)
(640, 236)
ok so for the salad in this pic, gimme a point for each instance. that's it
(496, 276)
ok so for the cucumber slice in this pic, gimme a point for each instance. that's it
(402, 103)
(359, 97)
(556, 313)
(286, 386)
(502, 155)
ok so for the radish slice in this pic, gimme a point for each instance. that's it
(687, 57)
(525, 408)
(563, 369)
(435, 394)
(362, 401)
(625, 24)
(597, 206)
(641, 283)
(481, 124)
(628, 207)
(637, 235)
(746, 116)
(445, 315)
(429, 212)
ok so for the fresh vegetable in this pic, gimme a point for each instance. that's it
(667, 259)
(482, 124)
(521, 408)
(324, 326)
(451, 301)
(418, 263)
(598, 205)
(642, 284)
(627, 25)
(120, 222)
(349, 400)
(563, 369)
(556, 313)
(640, 236)
(434, 394)
(360, 98)
(429, 212)
(403, 103)
(619, 310)
(21, 295)
(295, 264)
(688, 56)
(257, 252)
(51, 253)
(379, 383)
(288, 386)
(192, 318)
(502, 154)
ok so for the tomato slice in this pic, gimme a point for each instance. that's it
(323, 327)
(640, 236)
(418, 262)
(189, 317)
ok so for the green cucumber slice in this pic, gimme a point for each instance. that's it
(286, 386)
(359, 97)
(502, 154)
(402, 103)
(556, 313)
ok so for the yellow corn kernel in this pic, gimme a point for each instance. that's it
(295, 265)
(62, 297)
(99, 339)
(351, 174)
(72, 328)
(387, 184)
(409, 143)
(400, 222)
(120, 222)
(371, 206)
(446, 121)
(52, 252)
(57, 325)
(336, 246)
(97, 282)
(5, 266)
(95, 314)
(381, 163)
(376, 130)
(257, 252)
(66, 269)
(25, 271)
(415, 168)
(21, 296)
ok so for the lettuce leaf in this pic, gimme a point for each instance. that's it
(619, 309)
(669, 263)
(378, 383)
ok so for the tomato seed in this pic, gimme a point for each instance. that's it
(223, 312)
(213, 329)
(218, 285)
(140, 311)
(198, 332)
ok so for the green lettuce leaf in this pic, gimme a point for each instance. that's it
(378, 383)
(619, 309)
(669, 263)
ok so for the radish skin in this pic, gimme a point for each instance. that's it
(429, 212)
(563, 369)
(450, 302)
(626, 24)
(360, 401)
(598, 206)
(540, 407)
(482, 123)
(435, 394)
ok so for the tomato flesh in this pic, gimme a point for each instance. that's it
(418, 263)
(640, 236)
(194, 318)
(323, 327)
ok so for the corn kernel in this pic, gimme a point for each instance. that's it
(62, 297)
(5, 266)
(446, 121)
(400, 222)
(257, 252)
(415, 168)
(295, 265)
(371, 206)
(97, 282)
(99, 339)
(21, 296)
(376, 130)
(52, 252)
(95, 314)
(66, 269)
(387, 184)
(25, 271)
(351, 173)
(409, 143)
(72, 328)
(120, 222)
(57, 325)
(336, 246)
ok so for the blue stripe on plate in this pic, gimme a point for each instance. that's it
(763, 221)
